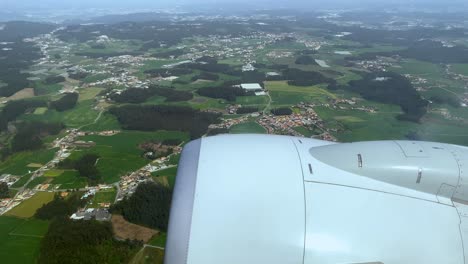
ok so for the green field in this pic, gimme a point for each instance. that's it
(83, 114)
(53, 173)
(20, 239)
(460, 69)
(107, 196)
(283, 94)
(28, 208)
(106, 122)
(70, 179)
(89, 93)
(420, 68)
(169, 173)
(22, 181)
(120, 154)
(148, 255)
(17, 164)
(159, 240)
(259, 101)
(357, 125)
(40, 110)
(35, 182)
(304, 131)
(96, 78)
(44, 89)
(437, 128)
(249, 127)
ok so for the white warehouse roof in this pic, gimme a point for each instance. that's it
(251, 86)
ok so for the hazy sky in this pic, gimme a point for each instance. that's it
(52, 4)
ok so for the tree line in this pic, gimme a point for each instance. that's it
(392, 88)
(85, 165)
(282, 111)
(66, 102)
(140, 95)
(68, 241)
(149, 206)
(60, 207)
(227, 92)
(172, 118)
(29, 135)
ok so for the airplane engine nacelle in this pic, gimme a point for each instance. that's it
(277, 199)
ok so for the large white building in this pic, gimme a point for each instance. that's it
(252, 87)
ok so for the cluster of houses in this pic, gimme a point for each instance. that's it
(381, 64)
(8, 179)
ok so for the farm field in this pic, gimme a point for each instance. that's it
(461, 69)
(81, 115)
(284, 94)
(17, 164)
(20, 239)
(169, 174)
(361, 126)
(158, 240)
(126, 230)
(22, 181)
(28, 208)
(53, 173)
(120, 154)
(249, 127)
(70, 179)
(148, 255)
(36, 181)
(304, 131)
(40, 110)
(106, 196)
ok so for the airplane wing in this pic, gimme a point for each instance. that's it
(277, 199)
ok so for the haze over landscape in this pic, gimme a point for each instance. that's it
(98, 98)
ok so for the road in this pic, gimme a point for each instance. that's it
(265, 111)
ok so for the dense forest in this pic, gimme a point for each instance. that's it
(173, 95)
(4, 191)
(305, 60)
(148, 206)
(69, 241)
(304, 78)
(60, 207)
(246, 110)
(16, 30)
(54, 80)
(14, 62)
(173, 118)
(85, 165)
(205, 76)
(13, 109)
(282, 111)
(66, 102)
(448, 99)
(29, 135)
(138, 95)
(392, 88)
